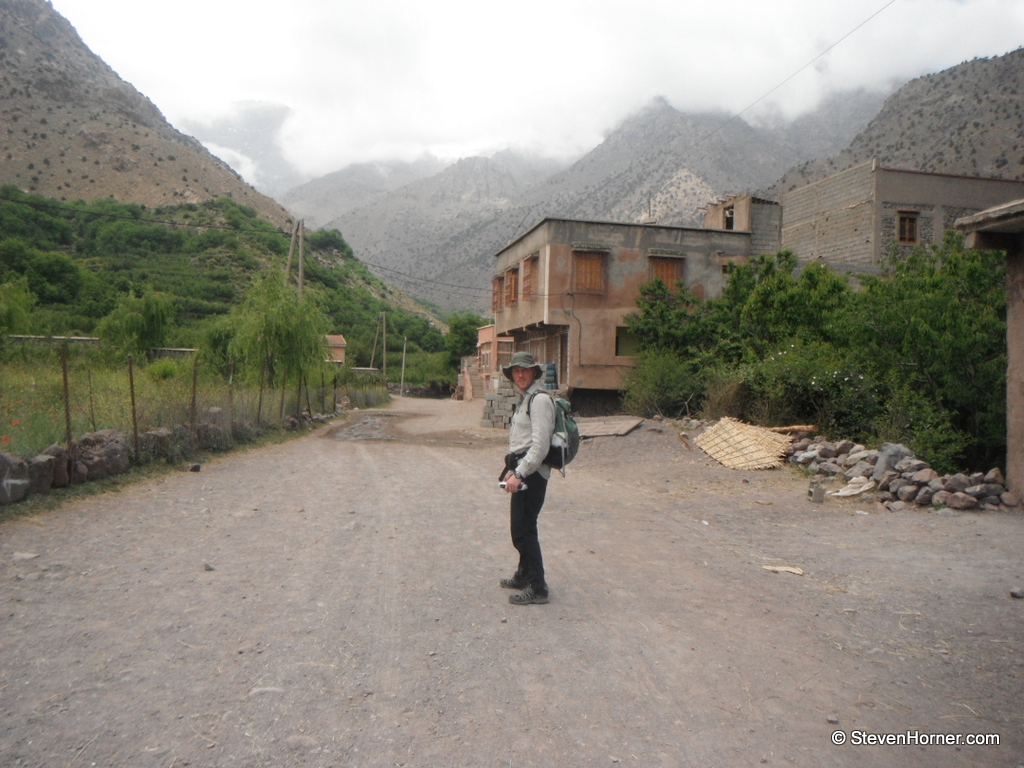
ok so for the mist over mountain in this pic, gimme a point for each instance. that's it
(248, 141)
(658, 165)
(75, 130)
(966, 120)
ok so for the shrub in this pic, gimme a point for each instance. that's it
(162, 370)
(662, 384)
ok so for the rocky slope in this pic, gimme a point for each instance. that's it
(72, 129)
(659, 165)
(967, 120)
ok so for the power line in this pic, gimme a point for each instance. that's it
(104, 214)
(805, 66)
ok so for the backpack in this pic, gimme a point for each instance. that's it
(565, 440)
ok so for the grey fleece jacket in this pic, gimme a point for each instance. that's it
(532, 432)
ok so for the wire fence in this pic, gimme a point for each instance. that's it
(59, 395)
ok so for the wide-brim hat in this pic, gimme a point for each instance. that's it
(521, 360)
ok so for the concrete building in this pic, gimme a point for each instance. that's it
(336, 345)
(493, 352)
(745, 213)
(563, 289)
(1002, 229)
(851, 220)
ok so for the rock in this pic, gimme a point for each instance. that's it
(984, 489)
(1009, 499)
(896, 485)
(908, 492)
(829, 468)
(1017, 592)
(889, 456)
(910, 464)
(799, 446)
(13, 478)
(961, 500)
(79, 472)
(857, 456)
(844, 446)
(938, 484)
(105, 453)
(40, 473)
(897, 506)
(995, 476)
(827, 451)
(61, 466)
(885, 496)
(976, 478)
(194, 467)
(957, 483)
(924, 496)
(804, 457)
(990, 501)
(941, 498)
(887, 478)
(833, 719)
(860, 469)
(924, 476)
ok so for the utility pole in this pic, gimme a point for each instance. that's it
(302, 254)
(401, 387)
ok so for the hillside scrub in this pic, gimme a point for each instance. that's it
(175, 275)
(915, 355)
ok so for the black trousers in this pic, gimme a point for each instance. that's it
(525, 508)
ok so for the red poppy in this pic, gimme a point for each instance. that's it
(16, 422)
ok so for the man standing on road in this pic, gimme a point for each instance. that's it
(526, 476)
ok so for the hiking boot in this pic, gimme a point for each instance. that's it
(528, 596)
(516, 582)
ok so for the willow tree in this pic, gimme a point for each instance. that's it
(276, 333)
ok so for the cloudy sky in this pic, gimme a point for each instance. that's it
(358, 81)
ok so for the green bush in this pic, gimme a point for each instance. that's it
(162, 370)
(662, 384)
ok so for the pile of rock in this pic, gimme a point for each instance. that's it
(898, 478)
(98, 455)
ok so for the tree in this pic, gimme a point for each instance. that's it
(461, 338)
(277, 333)
(16, 302)
(138, 323)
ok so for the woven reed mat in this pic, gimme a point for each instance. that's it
(743, 446)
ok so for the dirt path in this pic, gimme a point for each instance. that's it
(334, 602)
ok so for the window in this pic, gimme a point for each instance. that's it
(669, 270)
(497, 286)
(511, 287)
(730, 217)
(531, 277)
(588, 271)
(907, 228)
(626, 343)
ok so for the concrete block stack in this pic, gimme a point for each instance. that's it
(499, 406)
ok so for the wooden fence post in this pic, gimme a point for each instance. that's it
(67, 396)
(131, 387)
(195, 387)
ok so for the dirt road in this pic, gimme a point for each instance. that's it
(334, 601)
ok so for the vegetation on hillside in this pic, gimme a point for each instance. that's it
(916, 355)
(195, 275)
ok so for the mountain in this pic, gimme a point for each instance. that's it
(658, 165)
(966, 120)
(75, 130)
(328, 197)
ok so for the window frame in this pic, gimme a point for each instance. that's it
(511, 279)
(679, 264)
(911, 218)
(587, 255)
(497, 294)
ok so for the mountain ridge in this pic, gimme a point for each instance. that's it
(76, 130)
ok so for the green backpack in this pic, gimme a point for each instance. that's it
(565, 441)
